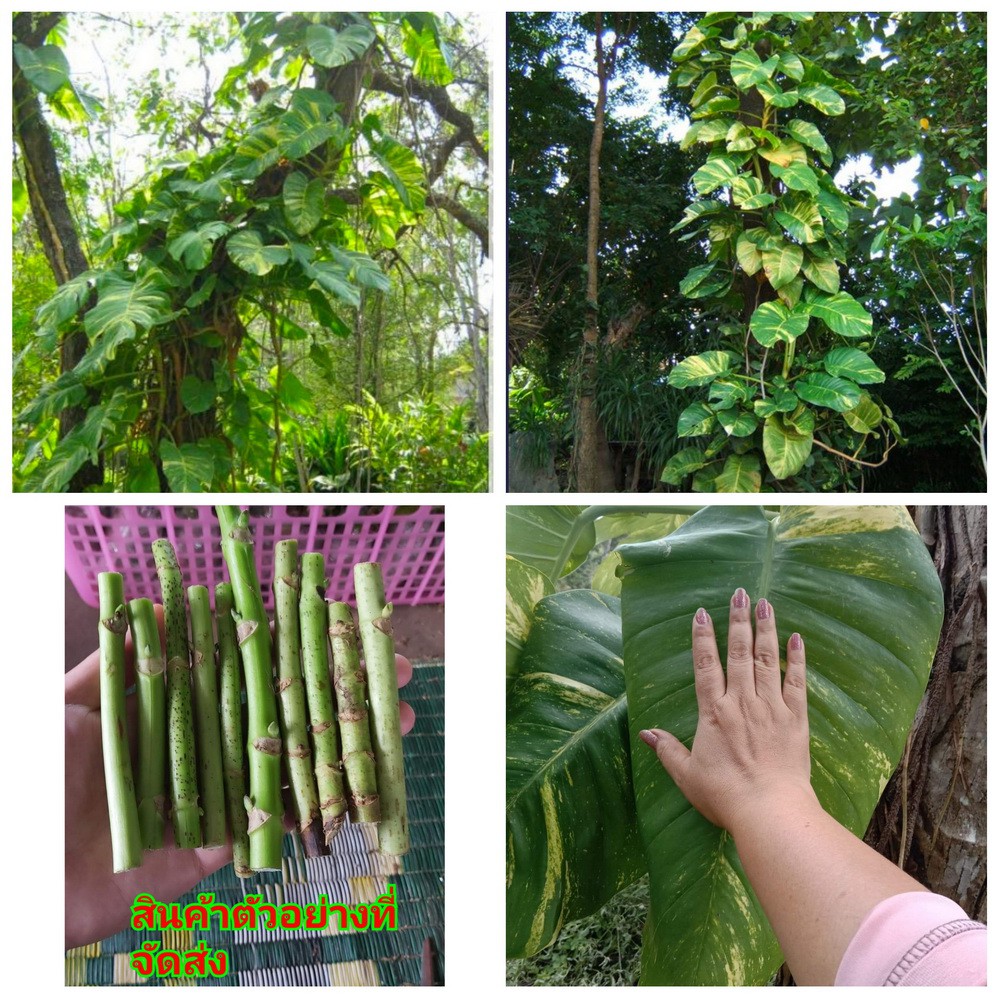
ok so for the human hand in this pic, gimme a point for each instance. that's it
(98, 902)
(752, 740)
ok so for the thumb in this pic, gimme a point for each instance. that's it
(672, 754)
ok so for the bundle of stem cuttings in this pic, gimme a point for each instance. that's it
(216, 772)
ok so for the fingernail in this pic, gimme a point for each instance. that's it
(647, 737)
(701, 617)
(795, 641)
(740, 599)
(763, 610)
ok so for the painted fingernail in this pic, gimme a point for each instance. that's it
(740, 598)
(763, 610)
(795, 641)
(648, 737)
(701, 617)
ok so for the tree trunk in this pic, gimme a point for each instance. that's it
(932, 816)
(51, 213)
(593, 467)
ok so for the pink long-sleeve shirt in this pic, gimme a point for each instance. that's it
(915, 939)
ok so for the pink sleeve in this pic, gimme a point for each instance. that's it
(915, 939)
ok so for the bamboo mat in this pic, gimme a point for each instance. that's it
(352, 875)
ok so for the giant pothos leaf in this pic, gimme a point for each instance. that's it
(572, 836)
(859, 586)
(331, 48)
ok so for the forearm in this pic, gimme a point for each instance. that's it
(815, 880)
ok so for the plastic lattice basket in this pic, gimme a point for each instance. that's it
(408, 542)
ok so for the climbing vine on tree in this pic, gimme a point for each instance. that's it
(787, 399)
(276, 230)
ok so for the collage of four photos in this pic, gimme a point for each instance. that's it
(432, 274)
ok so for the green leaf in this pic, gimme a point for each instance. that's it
(808, 135)
(294, 396)
(567, 758)
(865, 417)
(700, 369)
(774, 321)
(247, 252)
(827, 391)
(833, 208)
(791, 293)
(785, 448)
(716, 172)
(791, 65)
(45, 68)
(823, 98)
(785, 154)
(54, 475)
(797, 177)
(773, 94)
(725, 393)
(737, 423)
(332, 48)
(309, 122)
(402, 170)
(858, 585)
(695, 277)
(361, 268)
(142, 477)
(124, 307)
(708, 84)
(842, 313)
(333, 278)
(799, 217)
(691, 43)
(854, 364)
(741, 474)
(526, 586)
(781, 263)
(780, 401)
(202, 293)
(197, 395)
(538, 536)
(696, 210)
(194, 247)
(428, 53)
(188, 468)
(67, 300)
(303, 200)
(747, 69)
(823, 272)
(748, 255)
(682, 464)
(696, 419)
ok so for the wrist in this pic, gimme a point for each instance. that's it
(781, 804)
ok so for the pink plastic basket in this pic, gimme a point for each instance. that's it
(408, 542)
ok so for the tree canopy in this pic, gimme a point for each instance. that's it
(289, 294)
(913, 91)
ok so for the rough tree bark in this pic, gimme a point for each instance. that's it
(50, 210)
(593, 468)
(932, 816)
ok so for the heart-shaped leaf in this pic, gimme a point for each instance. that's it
(826, 390)
(700, 369)
(857, 583)
(853, 364)
(774, 321)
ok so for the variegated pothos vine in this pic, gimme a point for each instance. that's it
(793, 374)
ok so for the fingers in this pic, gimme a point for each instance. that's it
(709, 681)
(766, 663)
(672, 754)
(739, 655)
(794, 691)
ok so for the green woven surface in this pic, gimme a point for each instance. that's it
(311, 958)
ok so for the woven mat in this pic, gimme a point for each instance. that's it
(352, 875)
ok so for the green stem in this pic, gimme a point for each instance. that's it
(233, 772)
(292, 697)
(206, 710)
(181, 757)
(789, 358)
(350, 682)
(151, 695)
(264, 808)
(374, 619)
(126, 844)
(319, 694)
